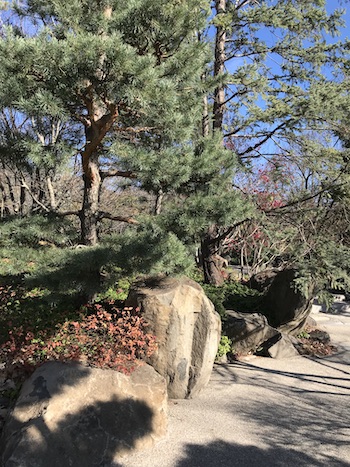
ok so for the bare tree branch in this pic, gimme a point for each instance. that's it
(35, 199)
(117, 173)
(107, 215)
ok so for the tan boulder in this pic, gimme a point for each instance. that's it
(69, 414)
(187, 329)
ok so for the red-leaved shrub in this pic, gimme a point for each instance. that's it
(114, 339)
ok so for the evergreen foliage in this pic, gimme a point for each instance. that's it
(36, 232)
(278, 54)
(115, 72)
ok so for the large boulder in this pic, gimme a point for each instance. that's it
(248, 331)
(187, 329)
(69, 414)
(285, 306)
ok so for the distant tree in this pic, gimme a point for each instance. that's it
(269, 65)
(303, 197)
(33, 152)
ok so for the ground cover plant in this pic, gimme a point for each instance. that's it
(233, 295)
(102, 336)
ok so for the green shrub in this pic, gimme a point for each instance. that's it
(225, 346)
(233, 296)
(303, 335)
(217, 296)
(117, 293)
(34, 308)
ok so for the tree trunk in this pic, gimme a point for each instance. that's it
(209, 248)
(22, 198)
(51, 192)
(90, 209)
(209, 245)
(159, 201)
(11, 205)
(219, 68)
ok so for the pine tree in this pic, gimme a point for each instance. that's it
(131, 83)
(117, 72)
(269, 66)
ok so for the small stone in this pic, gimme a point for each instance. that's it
(283, 348)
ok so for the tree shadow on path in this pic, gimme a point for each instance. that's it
(221, 453)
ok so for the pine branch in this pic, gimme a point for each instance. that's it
(263, 140)
(229, 230)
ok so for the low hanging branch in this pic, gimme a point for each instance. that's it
(101, 215)
(107, 215)
(117, 173)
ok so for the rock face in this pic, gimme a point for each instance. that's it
(286, 308)
(187, 329)
(251, 331)
(281, 348)
(71, 415)
(248, 330)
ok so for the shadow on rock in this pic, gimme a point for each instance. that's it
(96, 436)
(71, 415)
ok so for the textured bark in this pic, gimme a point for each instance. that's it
(209, 246)
(11, 198)
(89, 212)
(95, 130)
(219, 68)
(51, 192)
(159, 201)
(209, 249)
(23, 203)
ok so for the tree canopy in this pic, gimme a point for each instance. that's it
(186, 106)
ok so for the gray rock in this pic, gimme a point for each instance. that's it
(187, 329)
(286, 307)
(311, 322)
(72, 415)
(283, 348)
(248, 331)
